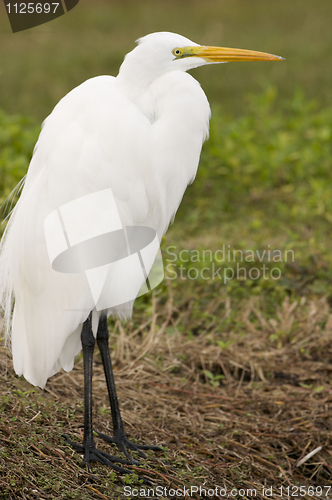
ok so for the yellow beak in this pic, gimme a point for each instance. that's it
(224, 54)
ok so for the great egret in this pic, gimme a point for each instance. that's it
(139, 134)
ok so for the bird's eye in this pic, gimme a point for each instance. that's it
(177, 52)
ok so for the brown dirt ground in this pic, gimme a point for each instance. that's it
(250, 429)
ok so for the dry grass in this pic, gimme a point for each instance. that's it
(240, 402)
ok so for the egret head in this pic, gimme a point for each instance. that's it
(159, 53)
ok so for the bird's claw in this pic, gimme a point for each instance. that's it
(92, 454)
(122, 442)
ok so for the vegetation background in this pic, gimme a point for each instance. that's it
(264, 183)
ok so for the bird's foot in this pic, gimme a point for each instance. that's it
(122, 442)
(92, 454)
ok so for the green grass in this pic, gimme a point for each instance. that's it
(18, 136)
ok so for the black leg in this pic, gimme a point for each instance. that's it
(120, 438)
(89, 449)
(102, 340)
(88, 345)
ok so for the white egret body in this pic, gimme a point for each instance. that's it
(139, 134)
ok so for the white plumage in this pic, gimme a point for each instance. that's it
(139, 134)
